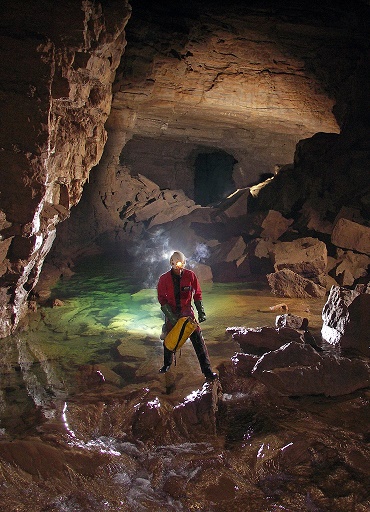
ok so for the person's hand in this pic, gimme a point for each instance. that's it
(200, 309)
(169, 314)
(202, 317)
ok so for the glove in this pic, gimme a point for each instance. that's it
(201, 314)
(170, 315)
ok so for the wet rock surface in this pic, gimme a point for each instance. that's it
(119, 87)
(261, 84)
(284, 429)
(246, 444)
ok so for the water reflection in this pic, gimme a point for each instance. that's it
(102, 307)
(69, 382)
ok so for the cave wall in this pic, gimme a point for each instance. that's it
(58, 65)
(250, 80)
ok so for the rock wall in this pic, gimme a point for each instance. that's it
(58, 65)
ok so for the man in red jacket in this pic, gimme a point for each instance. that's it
(176, 289)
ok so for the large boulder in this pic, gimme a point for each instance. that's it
(350, 235)
(306, 257)
(348, 267)
(236, 204)
(298, 370)
(263, 339)
(196, 415)
(346, 318)
(287, 283)
(274, 225)
(300, 268)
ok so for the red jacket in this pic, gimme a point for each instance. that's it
(189, 289)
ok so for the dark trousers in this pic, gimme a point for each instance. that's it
(200, 349)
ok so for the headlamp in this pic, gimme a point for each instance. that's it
(177, 260)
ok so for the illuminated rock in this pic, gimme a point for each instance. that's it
(292, 321)
(263, 339)
(287, 283)
(351, 235)
(346, 318)
(274, 225)
(298, 370)
(306, 257)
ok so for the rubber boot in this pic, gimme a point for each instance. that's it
(202, 354)
(167, 360)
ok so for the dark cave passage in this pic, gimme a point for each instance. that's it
(213, 177)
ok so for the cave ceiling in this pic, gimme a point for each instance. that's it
(250, 80)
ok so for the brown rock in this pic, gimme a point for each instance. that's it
(346, 318)
(292, 321)
(263, 339)
(198, 409)
(274, 225)
(348, 267)
(175, 486)
(236, 204)
(148, 422)
(234, 373)
(297, 370)
(350, 235)
(287, 283)
(306, 257)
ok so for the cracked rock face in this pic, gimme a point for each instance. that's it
(59, 64)
(225, 76)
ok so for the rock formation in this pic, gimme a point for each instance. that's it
(346, 317)
(59, 65)
(248, 93)
(114, 124)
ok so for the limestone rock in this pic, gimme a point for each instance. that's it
(234, 374)
(287, 283)
(64, 67)
(198, 409)
(236, 204)
(297, 370)
(274, 225)
(350, 235)
(305, 256)
(149, 420)
(263, 339)
(292, 321)
(346, 318)
(168, 211)
(348, 267)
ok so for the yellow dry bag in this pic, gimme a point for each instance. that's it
(177, 336)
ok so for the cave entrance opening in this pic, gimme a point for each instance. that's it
(213, 177)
